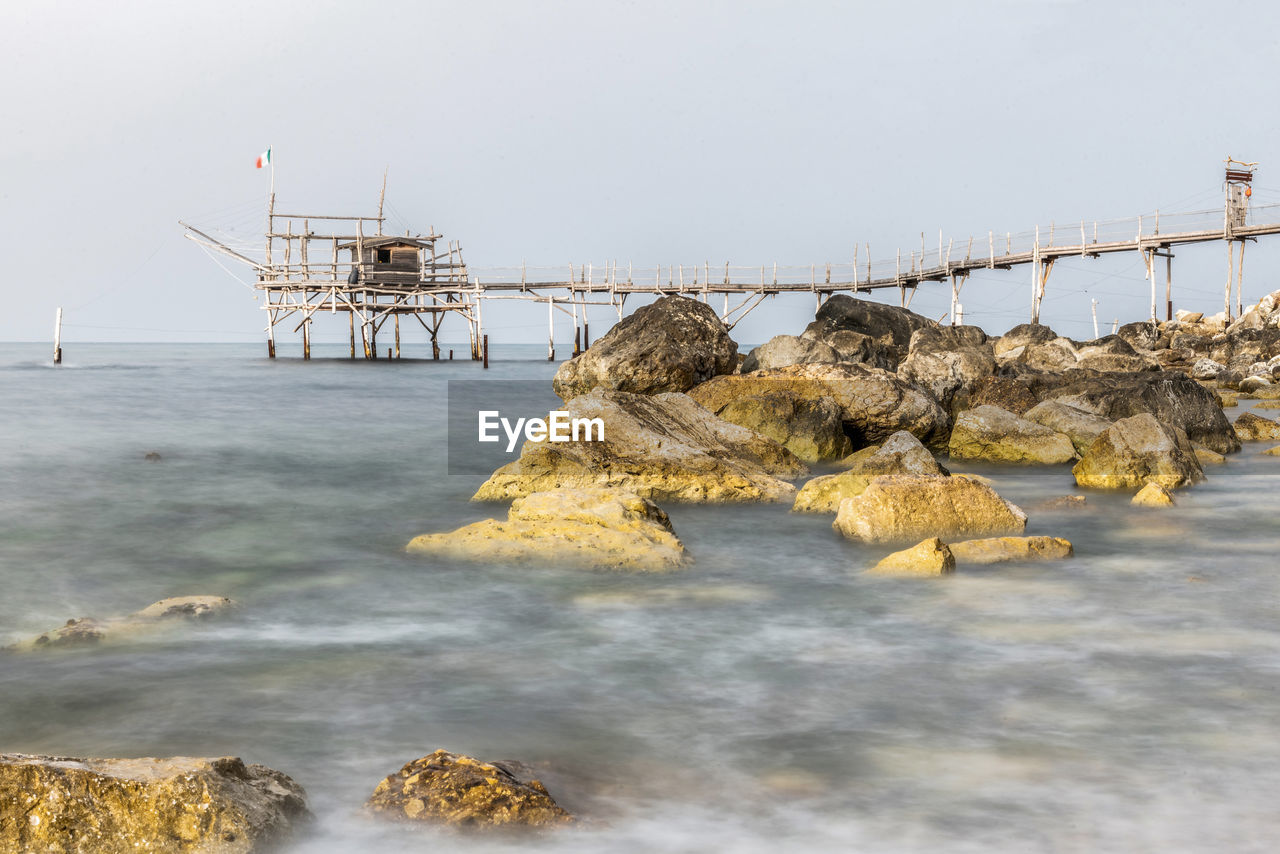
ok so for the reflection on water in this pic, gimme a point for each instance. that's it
(768, 698)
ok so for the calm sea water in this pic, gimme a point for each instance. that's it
(770, 698)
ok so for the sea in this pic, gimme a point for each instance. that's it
(769, 698)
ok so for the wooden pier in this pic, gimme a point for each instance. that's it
(316, 264)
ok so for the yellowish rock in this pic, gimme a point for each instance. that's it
(1272, 452)
(991, 433)
(1208, 457)
(1253, 428)
(902, 508)
(1228, 400)
(583, 527)
(1135, 450)
(1267, 404)
(1153, 495)
(1001, 549)
(156, 617)
(901, 453)
(1062, 502)
(927, 558)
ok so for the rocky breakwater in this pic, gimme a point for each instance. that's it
(171, 806)
(450, 790)
(664, 447)
(902, 508)
(578, 527)
(1138, 450)
(872, 404)
(670, 345)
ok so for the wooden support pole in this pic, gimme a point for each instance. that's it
(57, 337)
(1231, 274)
(397, 320)
(551, 328)
(1168, 284)
(1240, 283)
(351, 321)
(271, 331)
(486, 352)
(306, 338)
(586, 336)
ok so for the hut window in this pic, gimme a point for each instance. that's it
(384, 256)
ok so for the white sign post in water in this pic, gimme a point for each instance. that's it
(57, 338)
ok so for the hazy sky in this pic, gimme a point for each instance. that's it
(683, 132)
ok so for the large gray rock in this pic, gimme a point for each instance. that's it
(1136, 450)
(909, 508)
(1021, 336)
(890, 326)
(1174, 398)
(664, 447)
(1004, 392)
(997, 435)
(948, 360)
(1141, 335)
(874, 404)
(122, 806)
(668, 346)
(1079, 425)
(783, 350)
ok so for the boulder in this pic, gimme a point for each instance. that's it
(1107, 345)
(1174, 398)
(1141, 335)
(927, 558)
(1206, 369)
(874, 404)
(857, 347)
(1021, 336)
(580, 527)
(994, 434)
(1001, 549)
(1112, 363)
(1185, 316)
(451, 790)
(1265, 313)
(1058, 354)
(948, 360)
(1272, 452)
(1004, 392)
(1153, 495)
(1079, 426)
(1135, 450)
(1208, 457)
(783, 350)
(670, 345)
(165, 614)
(901, 453)
(1251, 385)
(121, 806)
(898, 508)
(664, 447)
(810, 428)
(890, 327)
(1255, 428)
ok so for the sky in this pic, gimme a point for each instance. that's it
(643, 132)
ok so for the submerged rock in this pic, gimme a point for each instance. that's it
(670, 345)
(588, 527)
(991, 433)
(1062, 502)
(1001, 549)
(1135, 450)
(927, 558)
(1254, 428)
(1153, 495)
(663, 447)
(874, 404)
(897, 508)
(901, 453)
(166, 613)
(1079, 426)
(461, 792)
(121, 806)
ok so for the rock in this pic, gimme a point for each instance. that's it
(1254, 428)
(897, 508)
(166, 613)
(926, 558)
(810, 428)
(1004, 392)
(1208, 457)
(1135, 450)
(1272, 452)
(1141, 335)
(670, 345)
(1107, 345)
(948, 360)
(1062, 502)
(860, 348)
(152, 456)
(1021, 336)
(1227, 400)
(783, 350)
(582, 527)
(1001, 549)
(1265, 313)
(1174, 398)
(991, 433)
(874, 404)
(1153, 495)
(1185, 316)
(1079, 426)
(120, 806)
(901, 453)
(890, 327)
(663, 447)
(1057, 354)
(1109, 363)
(1249, 385)
(460, 792)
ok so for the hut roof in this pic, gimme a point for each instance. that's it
(389, 240)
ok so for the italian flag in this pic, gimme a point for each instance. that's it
(264, 159)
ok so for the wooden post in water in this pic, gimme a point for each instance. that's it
(57, 337)
(486, 352)
(586, 335)
(351, 317)
(306, 338)
(397, 320)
